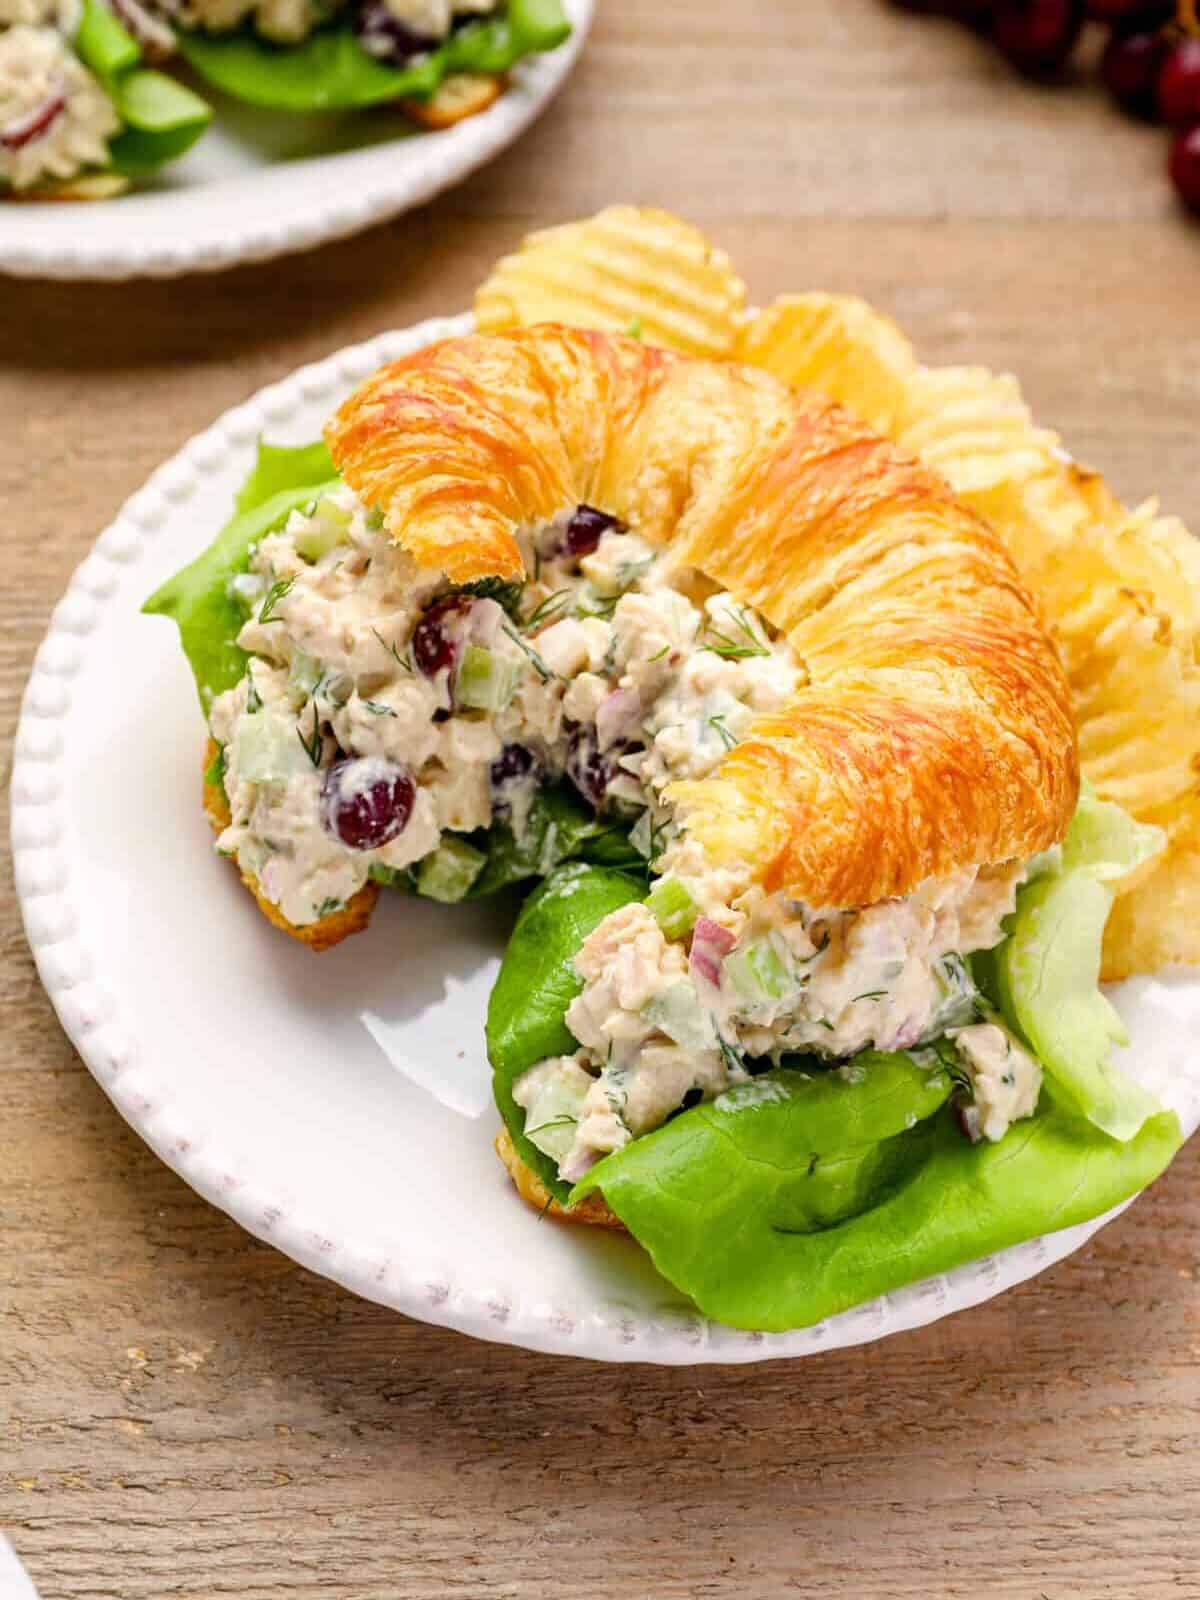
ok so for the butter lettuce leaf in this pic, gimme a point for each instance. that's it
(796, 1198)
(1046, 974)
(537, 982)
(161, 119)
(198, 598)
(330, 71)
(809, 1189)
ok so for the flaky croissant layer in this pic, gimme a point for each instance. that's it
(935, 729)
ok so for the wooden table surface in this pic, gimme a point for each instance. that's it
(185, 1413)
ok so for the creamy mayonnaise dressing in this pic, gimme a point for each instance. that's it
(657, 1028)
(385, 715)
(55, 118)
(602, 672)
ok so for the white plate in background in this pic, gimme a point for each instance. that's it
(262, 184)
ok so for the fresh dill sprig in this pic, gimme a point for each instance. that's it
(272, 598)
(378, 709)
(555, 1122)
(539, 666)
(737, 647)
(871, 994)
(718, 725)
(734, 1061)
(392, 651)
(253, 698)
(551, 606)
(665, 651)
(505, 592)
(313, 747)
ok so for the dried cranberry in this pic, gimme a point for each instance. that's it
(512, 764)
(366, 801)
(585, 530)
(434, 645)
(386, 38)
(589, 769)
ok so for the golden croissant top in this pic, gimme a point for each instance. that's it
(934, 732)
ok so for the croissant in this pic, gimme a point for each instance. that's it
(933, 731)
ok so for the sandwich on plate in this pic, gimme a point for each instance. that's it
(85, 108)
(776, 723)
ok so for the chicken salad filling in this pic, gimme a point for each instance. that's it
(677, 1007)
(385, 714)
(84, 110)
(387, 719)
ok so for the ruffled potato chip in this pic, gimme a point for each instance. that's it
(1119, 590)
(837, 344)
(1157, 923)
(627, 269)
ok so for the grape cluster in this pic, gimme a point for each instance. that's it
(1151, 63)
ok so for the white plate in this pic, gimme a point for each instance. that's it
(261, 184)
(338, 1106)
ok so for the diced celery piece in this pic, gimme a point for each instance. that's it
(677, 1011)
(486, 681)
(329, 510)
(265, 749)
(304, 674)
(673, 908)
(328, 525)
(450, 871)
(760, 970)
(554, 1112)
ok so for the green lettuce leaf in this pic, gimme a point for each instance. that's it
(161, 119)
(559, 828)
(1046, 975)
(537, 982)
(198, 597)
(278, 467)
(808, 1190)
(330, 71)
(798, 1197)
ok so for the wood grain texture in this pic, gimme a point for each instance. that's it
(183, 1412)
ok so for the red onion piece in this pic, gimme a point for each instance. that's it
(154, 36)
(17, 134)
(483, 622)
(617, 715)
(711, 943)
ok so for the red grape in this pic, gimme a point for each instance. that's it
(960, 10)
(1179, 85)
(1185, 167)
(1132, 13)
(585, 530)
(366, 801)
(1130, 68)
(434, 645)
(1037, 36)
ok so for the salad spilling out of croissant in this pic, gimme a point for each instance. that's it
(807, 996)
(85, 107)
